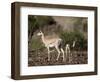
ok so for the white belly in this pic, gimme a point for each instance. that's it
(51, 45)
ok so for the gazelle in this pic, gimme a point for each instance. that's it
(51, 42)
(69, 51)
(67, 48)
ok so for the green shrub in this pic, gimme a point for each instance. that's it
(36, 44)
(69, 37)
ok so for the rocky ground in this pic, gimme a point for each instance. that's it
(40, 58)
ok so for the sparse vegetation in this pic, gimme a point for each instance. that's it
(69, 37)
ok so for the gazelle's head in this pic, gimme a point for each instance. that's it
(40, 33)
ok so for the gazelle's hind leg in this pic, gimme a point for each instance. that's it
(48, 54)
(63, 54)
(58, 52)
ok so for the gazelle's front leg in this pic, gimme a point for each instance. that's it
(63, 54)
(48, 54)
(58, 53)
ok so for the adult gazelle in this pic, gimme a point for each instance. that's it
(52, 41)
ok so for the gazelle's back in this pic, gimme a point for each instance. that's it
(51, 40)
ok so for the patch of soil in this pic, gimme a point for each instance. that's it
(40, 58)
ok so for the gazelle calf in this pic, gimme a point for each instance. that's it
(69, 51)
(53, 41)
(67, 48)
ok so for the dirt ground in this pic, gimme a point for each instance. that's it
(40, 58)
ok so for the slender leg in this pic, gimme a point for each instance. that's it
(66, 51)
(69, 50)
(48, 54)
(58, 52)
(70, 55)
(63, 54)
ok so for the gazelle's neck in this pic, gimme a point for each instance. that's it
(42, 37)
